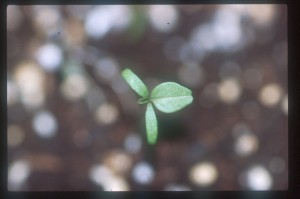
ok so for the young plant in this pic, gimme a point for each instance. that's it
(167, 97)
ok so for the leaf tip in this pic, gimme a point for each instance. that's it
(125, 72)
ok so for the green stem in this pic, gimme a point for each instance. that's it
(143, 100)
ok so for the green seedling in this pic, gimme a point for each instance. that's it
(167, 97)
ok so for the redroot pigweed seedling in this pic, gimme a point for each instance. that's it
(167, 97)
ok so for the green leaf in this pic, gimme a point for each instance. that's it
(169, 97)
(135, 83)
(151, 124)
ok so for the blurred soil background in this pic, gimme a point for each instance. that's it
(73, 124)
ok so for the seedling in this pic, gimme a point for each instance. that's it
(167, 97)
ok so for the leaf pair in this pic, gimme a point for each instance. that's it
(167, 97)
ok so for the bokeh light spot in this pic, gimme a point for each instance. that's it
(106, 114)
(49, 56)
(161, 15)
(74, 87)
(270, 94)
(45, 124)
(246, 144)
(203, 174)
(143, 173)
(229, 90)
(258, 178)
(18, 172)
(107, 68)
(133, 143)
